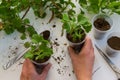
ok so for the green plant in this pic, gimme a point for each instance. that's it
(39, 48)
(75, 26)
(101, 6)
(10, 19)
(57, 7)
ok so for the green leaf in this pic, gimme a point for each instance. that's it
(37, 38)
(23, 37)
(82, 19)
(117, 11)
(72, 4)
(27, 44)
(26, 21)
(114, 4)
(83, 3)
(87, 27)
(31, 31)
(21, 29)
(8, 29)
(29, 55)
(71, 12)
(66, 26)
(62, 1)
(65, 17)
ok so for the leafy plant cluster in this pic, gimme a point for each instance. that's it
(75, 26)
(10, 9)
(10, 19)
(101, 6)
(39, 48)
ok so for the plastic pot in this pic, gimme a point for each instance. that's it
(99, 34)
(45, 34)
(40, 66)
(76, 46)
(110, 50)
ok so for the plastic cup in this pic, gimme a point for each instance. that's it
(99, 34)
(109, 50)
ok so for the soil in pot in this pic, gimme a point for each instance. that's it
(77, 47)
(114, 42)
(101, 24)
(46, 34)
(39, 68)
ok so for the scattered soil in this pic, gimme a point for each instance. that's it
(56, 43)
(20, 63)
(73, 72)
(54, 26)
(69, 74)
(46, 34)
(15, 38)
(62, 51)
(56, 39)
(1, 26)
(114, 42)
(59, 59)
(65, 44)
(102, 24)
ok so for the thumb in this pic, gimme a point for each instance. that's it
(72, 53)
(45, 70)
(30, 66)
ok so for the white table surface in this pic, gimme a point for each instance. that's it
(10, 45)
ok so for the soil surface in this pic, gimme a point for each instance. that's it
(114, 42)
(70, 38)
(77, 48)
(101, 24)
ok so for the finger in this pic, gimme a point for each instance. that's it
(24, 68)
(31, 67)
(21, 77)
(72, 53)
(88, 43)
(92, 53)
(87, 46)
(45, 70)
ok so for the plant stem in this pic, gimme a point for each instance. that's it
(55, 4)
(26, 12)
(52, 16)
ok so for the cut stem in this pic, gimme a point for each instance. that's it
(52, 16)
(26, 12)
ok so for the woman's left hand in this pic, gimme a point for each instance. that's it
(29, 72)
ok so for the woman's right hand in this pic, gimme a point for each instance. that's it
(84, 61)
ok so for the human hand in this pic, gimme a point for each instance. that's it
(83, 62)
(29, 72)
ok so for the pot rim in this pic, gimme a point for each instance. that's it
(107, 18)
(111, 35)
(41, 64)
(73, 44)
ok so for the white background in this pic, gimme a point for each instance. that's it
(62, 71)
